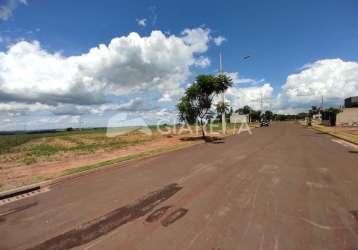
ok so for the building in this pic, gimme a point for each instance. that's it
(351, 102)
(349, 114)
(237, 118)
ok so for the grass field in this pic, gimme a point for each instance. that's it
(32, 148)
(31, 158)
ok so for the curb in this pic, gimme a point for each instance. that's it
(38, 186)
(22, 190)
(336, 136)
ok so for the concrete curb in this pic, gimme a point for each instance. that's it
(336, 136)
(22, 190)
(28, 188)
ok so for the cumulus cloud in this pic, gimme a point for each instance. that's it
(251, 96)
(8, 7)
(236, 79)
(142, 22)
(219, 40)
(163, 112)
(202, 62)
(23, 107)
(29, 74)
(166, 98)
(14, 108)
(334, 79)
(197, 39)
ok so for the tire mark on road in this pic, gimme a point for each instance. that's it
(98, 227)
(157, 214)
(174, 216)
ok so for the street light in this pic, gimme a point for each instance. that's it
(223, 118)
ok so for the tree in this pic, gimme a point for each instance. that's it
(246, 110)
(196, 103)
(302, 115)
(255, 115)
(268, 115)
(222, 108)
(334, 110)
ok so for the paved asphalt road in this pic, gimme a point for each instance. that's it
(284, 187)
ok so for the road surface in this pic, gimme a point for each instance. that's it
(283, 187)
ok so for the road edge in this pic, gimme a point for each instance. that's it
(91, 168)
(332, 134)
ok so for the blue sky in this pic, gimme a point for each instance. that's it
(298, 50)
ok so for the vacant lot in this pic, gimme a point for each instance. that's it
(28, 149)
(31, 158)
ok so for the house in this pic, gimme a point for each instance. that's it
(349, 114)
(237, 118)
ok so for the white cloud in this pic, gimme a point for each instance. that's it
(23, 107)
(219, 40)
(236, 79)
(162, 112)
(166, 98)
(71, 109)
(142, 22)
(197, 39)
(251, 96)
(202, 62)
(334, 79)
(8, 7)
(29, 74)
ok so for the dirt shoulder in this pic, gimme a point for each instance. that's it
(349, 134)
(17, 174)
(27, 174)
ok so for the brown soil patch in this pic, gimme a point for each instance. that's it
(23, 174)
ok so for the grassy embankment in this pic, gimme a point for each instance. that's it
(32, 148)
(29, 149)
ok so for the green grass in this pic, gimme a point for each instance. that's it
(8, 142)
(339, 134)
(44, 150)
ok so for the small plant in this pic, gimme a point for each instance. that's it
(28, 160)
(44, 150)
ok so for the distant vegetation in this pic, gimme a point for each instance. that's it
(256, 115)
(32, 148)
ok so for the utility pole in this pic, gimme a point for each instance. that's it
(223, 118)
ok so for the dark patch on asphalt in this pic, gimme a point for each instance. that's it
(157, 214)
(108, 222)
(174, 216)
(355, 214)
(16, 210)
